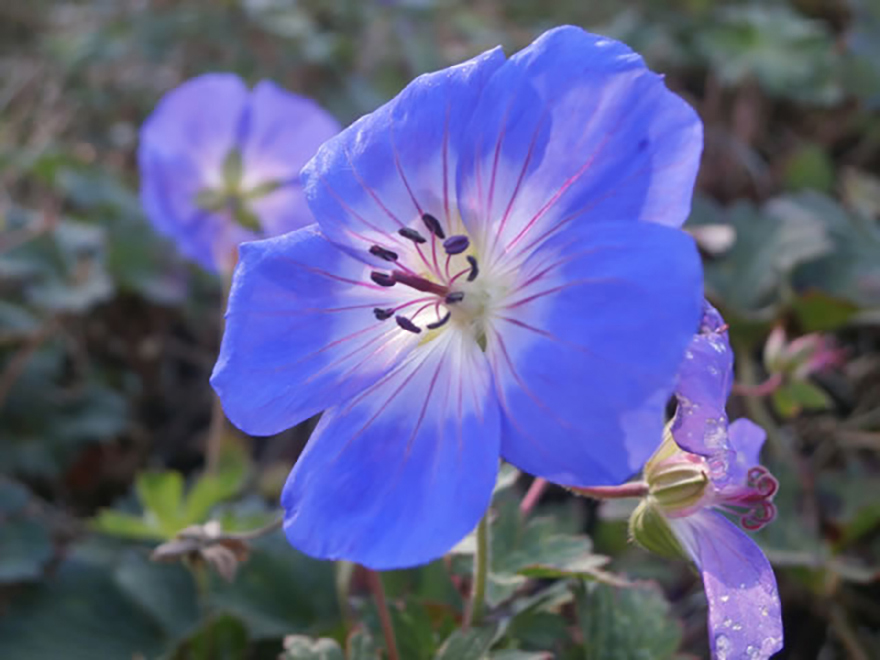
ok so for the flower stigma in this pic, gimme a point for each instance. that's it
(444, 265)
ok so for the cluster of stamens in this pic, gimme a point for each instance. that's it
(402, 275)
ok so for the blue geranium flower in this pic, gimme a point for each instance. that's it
(497, 271)
(220, 164)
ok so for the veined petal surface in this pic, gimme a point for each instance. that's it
(400, 473)
(586, 348)
(575, 128)
(398, 162)
(300, 332)
(745, 617)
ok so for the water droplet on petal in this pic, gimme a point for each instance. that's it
(765, 611)
(752, 651)
(723, 647)
(725, 598)
(727, 622)
(737, 627)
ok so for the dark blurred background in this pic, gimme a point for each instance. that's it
(107, 337)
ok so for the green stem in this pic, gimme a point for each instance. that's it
(481, 574)
(217, 427)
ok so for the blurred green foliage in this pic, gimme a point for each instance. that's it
(107, 337)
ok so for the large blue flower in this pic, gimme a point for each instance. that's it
(497, 271)
(220, 164)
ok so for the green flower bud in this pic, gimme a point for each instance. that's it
(678, 486)
(649, 528)
(676, 480)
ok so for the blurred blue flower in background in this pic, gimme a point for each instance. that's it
(220, 164)
(706, 468)
(497, 271)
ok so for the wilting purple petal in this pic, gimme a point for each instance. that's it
(745, 617)
(704, 383)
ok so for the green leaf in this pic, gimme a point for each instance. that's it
(361, 646)
(209, 491)
(849, 271)
(161, 495)
(626, 624)
(78, 614)
(25, 547)
(809, 396)
(790, 55)
(469, 644)
(809, 167)
(166, 591)
(512, 654)
(797, 395)
(127, 525)
(414, 631)
(769, 245)
(540, 546)
(16, 319)
(13, 496)
(297, 647)
(507, 476)
(221, 638)
(278, 591)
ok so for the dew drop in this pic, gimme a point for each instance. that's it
(765, 611)
(723, 647)
(752, 651)
(737, 627)
(725, 598)
(727, 623)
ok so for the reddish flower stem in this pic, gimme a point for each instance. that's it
(375, 580)
(633, 489)
(761, 389)
(532, 496)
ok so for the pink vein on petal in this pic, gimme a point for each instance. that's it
(372, 193)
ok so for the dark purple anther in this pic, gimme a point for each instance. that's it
(412, 235)
(474, 269)
(382, 279)
(441, 322)
(456, 244)
(383, 314)
(454, 297)
(433, 225)
(382, 253)
(406, 324)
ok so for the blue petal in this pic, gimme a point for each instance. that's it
(746, 439)
(398, 475)
(391, 166)
(300, 332)
(575, 128)
(586, 350)
(182, 147)
(745, 617)
(282, 132)
(704, 383)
